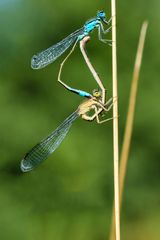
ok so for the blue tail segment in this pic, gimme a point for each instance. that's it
(80, 92)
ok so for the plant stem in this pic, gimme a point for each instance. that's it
(115, 123)
(130, 118)
(131, 108)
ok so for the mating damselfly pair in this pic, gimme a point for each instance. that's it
(95, 101)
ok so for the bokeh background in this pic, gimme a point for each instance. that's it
(70, 195)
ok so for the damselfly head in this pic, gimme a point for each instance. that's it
(97, 93)
(102, 16)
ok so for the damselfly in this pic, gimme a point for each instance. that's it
(47, 146)
(49, 55)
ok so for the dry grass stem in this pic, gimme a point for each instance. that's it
(131, 108)
(130, 118)
(115, 123)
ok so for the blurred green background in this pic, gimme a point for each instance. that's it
(70, 195)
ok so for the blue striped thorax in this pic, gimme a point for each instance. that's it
(91, 25)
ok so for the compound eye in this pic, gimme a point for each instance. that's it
(96, 93)
(101, 14)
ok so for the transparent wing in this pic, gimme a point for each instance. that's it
(48, 145)
(49, 55)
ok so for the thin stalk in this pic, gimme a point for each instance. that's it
(131, 108)
(115, 123)
(130, 118)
